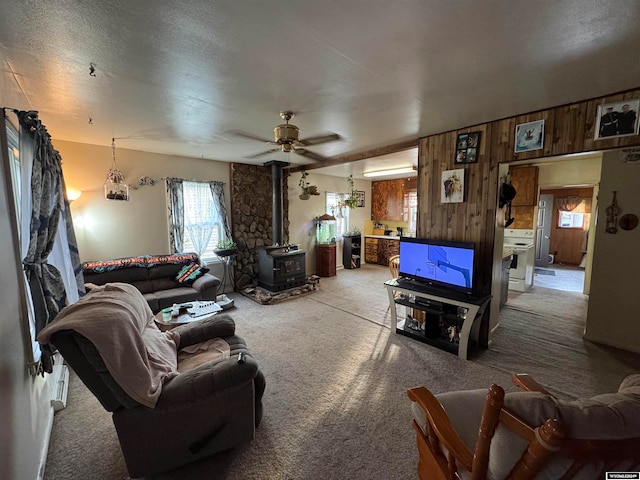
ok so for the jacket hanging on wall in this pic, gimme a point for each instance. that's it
(507, 194)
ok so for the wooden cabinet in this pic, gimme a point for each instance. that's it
(386, 249)
(351, 249)
(326, 260)
(379, 250)
(371, 250)
(387, 200)
(525, 181)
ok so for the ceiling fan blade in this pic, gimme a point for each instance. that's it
(273, 150)
(319, 139)
(238, 133)
(309, 154)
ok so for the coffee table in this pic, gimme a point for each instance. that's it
(181, 319)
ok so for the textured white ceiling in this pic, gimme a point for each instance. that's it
(176, 77)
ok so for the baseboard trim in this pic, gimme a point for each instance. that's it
(45, 445)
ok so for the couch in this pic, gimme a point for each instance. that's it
(156, 276)
(175, 396)
(482, 434)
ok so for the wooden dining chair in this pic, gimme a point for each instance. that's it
(394, 268)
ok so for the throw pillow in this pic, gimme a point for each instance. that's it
(189, 273)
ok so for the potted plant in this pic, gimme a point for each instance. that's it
(306, 187)
(352, 196)
(225, 247)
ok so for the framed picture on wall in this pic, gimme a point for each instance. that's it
(360, 197)
(619, 119)
(529, 136)
(467, 146)
(452, 186)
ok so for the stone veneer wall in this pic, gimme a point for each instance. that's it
(251, 217)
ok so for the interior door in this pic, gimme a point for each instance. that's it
(543, 233)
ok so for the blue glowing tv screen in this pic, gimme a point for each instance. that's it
(437, 263)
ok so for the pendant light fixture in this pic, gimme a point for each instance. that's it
(114, 186)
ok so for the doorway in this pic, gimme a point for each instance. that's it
(563, 249)
(564, 221)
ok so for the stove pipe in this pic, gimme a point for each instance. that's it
(277, 201)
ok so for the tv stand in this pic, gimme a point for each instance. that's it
(451, 319)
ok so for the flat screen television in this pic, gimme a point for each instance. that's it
(437, 263)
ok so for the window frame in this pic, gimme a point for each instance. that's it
(208, 255)
(341, 214)
(574, 216)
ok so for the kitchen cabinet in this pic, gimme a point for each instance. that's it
(379, 250)
(371, 250)
(326, 260)
(525, 181)
(387, 198)
(386, 249)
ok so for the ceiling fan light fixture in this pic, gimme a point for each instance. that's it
(391, 171)
(286, 133)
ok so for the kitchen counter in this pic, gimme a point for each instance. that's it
(390, 237)
(379, 248)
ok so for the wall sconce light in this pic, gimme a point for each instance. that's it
(146, 181)
(73, 194)
(392, 171)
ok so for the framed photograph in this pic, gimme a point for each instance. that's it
(360, 195)
(467, 146)
(452, 186)
(619, 119)
(529, 136)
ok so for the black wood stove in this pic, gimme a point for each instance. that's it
(280, 266)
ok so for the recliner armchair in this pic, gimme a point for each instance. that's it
(200, 409)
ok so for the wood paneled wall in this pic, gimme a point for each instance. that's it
(568, 129)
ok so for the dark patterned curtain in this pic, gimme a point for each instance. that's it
(176, 214)
(217, 191)
(568, 204)
(49, 207)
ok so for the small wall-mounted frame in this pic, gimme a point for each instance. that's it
(360, 197)
(619, 119)
(529, 136)
(452, 186)
(467, 147)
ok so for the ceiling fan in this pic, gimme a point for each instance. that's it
(286, 136)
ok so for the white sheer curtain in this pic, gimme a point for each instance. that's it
(200, 215)
(196, 215)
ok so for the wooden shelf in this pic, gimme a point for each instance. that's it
(351, 251)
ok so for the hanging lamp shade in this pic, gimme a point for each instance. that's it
(114, 186)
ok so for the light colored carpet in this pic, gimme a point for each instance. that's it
(335, 405)
(541, 332)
